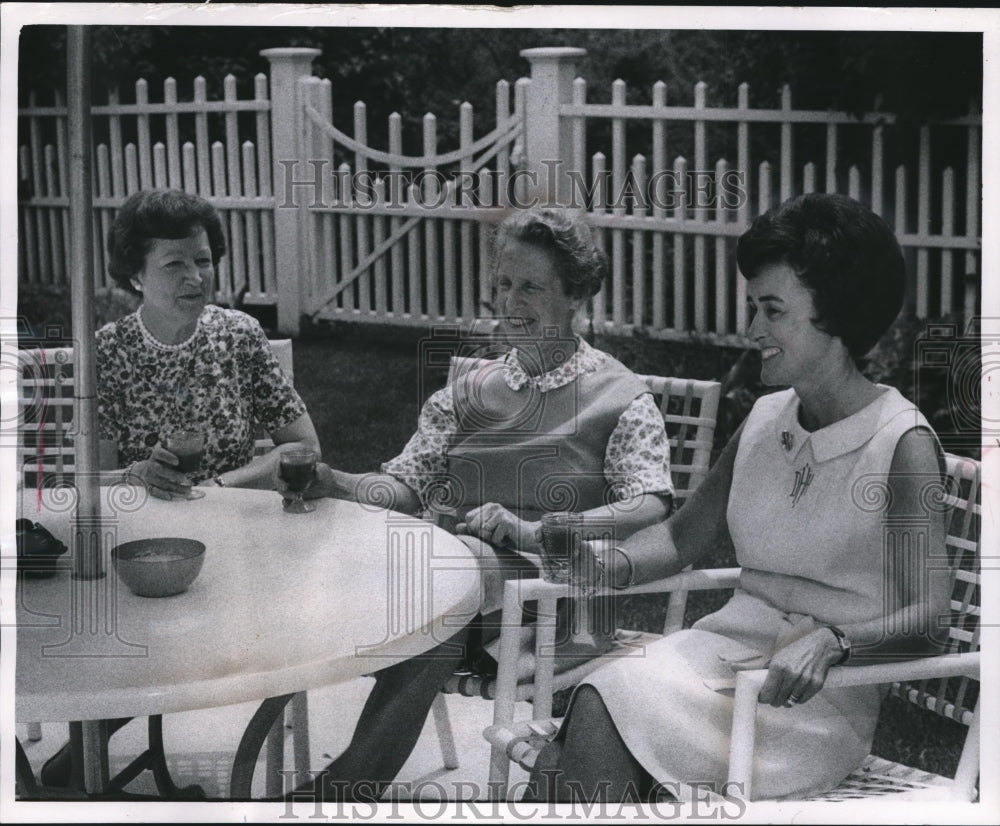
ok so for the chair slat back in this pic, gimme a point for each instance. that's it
(690, 408)
(955, 697)
(45, 428)
(45, 410)
(462, 364)
(282, 349)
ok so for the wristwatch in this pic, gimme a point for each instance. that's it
(843, 642)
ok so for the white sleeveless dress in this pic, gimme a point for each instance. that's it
(805, 515)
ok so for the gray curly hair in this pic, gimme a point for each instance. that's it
(581, 265)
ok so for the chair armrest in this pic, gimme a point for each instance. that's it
(926, 668)
(707, 579)
(749, 683)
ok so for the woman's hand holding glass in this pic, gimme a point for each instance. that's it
(322, 485)
(296, 474)
(589, 564)
(160, 475)
(494, 524)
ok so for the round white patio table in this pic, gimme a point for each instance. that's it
(283, 603)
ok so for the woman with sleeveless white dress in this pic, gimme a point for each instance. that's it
(821, 493)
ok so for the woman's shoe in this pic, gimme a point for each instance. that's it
(478, 663)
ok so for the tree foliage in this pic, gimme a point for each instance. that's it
(917, 75)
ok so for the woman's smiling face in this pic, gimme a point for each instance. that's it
(530, 293)
(782, 310)
(178, 276)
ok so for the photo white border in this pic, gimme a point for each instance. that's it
(15, 15)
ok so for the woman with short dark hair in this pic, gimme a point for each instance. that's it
(845, 255)
(820, 493)
(181, 362)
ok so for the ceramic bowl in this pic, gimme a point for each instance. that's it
(158, 567)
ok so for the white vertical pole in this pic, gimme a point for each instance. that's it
(88, 562)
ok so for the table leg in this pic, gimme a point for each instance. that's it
(300, 736)
(89, 745)
(271, 711)
(22, 772)
(158, 765)
(274, 760)
(154, 759)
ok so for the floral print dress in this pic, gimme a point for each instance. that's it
(224, 380)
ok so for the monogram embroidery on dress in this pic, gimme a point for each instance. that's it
(803, 478)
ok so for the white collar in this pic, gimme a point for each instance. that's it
(585, 360)
(842, 436)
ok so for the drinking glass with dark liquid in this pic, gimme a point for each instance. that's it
(189, 448)
(298, 468)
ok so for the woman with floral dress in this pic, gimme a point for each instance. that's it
(179, 362)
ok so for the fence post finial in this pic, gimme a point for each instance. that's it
(288, 66)
(548, 137)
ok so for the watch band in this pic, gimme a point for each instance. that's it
(599, 567)
(843, 642)
(127, 475)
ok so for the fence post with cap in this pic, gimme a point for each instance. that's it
(288, 66)
(548, 138)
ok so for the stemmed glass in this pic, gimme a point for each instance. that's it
(298, 467)
(189, 448)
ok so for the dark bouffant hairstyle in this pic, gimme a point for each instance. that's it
(158, 213)
(844, 253)
(582, 265)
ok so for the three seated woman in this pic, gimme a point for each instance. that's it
(512, 437)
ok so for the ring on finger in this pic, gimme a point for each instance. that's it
(792, 701)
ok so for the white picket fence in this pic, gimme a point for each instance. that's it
(235, 177)
(405, 244)
(403, 239)
(699, 289)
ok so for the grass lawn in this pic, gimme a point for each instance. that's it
(363, 399)
(364, 394)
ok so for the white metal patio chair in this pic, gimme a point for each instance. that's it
(45, 410)
(690, 409)
(946, 685)
(45, 414)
